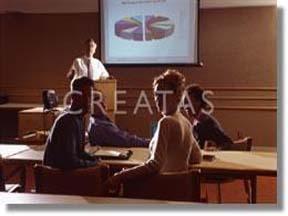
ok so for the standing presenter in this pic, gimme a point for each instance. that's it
(87, 65)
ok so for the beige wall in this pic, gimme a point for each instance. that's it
(237, 46)
(39, 50)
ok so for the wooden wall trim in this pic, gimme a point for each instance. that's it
(62, 87)
(234, 108)
(248, 108)
(243, 98)
(224, 98)
(269, 89)
(33, 88)
(33, 94)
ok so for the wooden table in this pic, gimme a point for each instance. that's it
(36, 119)
(34, 154)
(9, 119)
(7, 150)
(237, 164)
(241, 165)
(30, 198)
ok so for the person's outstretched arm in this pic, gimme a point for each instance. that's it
(106, 133)
(156, 160)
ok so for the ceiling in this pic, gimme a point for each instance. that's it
(78, 6)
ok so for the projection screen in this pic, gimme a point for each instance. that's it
(149, 31)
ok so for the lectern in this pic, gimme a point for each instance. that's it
(108, 88)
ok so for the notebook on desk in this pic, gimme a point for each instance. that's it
(106, 154)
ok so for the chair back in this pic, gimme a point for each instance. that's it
(180, 186)
(244, 144)
(84, 181)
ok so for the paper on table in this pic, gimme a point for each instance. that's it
(101, 152)
(109, 152)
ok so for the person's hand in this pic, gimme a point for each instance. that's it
(148, 140)
(210, 145)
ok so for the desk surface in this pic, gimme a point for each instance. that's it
(25, 198)
(39, 109)
(9, 150)
(18, 105)
(34, 154)
(261, 163)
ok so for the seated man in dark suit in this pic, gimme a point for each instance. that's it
(65, 144)
(205, 127)
(104, 132)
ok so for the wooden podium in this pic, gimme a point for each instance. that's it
(108, 89)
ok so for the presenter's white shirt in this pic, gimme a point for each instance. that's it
(81, 65)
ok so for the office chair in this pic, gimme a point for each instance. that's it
(83, 181)
(179, 186)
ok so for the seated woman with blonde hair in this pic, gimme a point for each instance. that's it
(173, 146)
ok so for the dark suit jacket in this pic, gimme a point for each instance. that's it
(208, 128)
(65, 144)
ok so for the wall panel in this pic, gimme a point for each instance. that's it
(237, 47)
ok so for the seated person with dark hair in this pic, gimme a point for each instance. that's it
(103, 132)
(205, 127)
(65, 144)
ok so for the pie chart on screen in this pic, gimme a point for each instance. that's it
(144, 28)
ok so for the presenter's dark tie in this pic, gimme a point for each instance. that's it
(89, 69)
